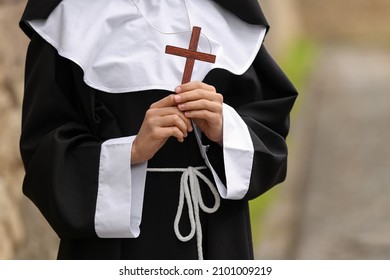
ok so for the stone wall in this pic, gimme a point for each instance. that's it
(358, 20)
(285, 21)
(23, 232)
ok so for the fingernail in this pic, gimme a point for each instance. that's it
(178, 89)
(177, 98)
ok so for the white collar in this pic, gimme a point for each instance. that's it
(119, 51)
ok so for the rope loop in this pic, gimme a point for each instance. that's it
(190, 192)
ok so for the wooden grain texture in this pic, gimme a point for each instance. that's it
(191, 54)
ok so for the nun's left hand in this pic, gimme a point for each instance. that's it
(201, 103)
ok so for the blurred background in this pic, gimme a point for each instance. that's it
(335, 203)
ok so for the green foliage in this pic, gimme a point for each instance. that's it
(258, 208)
(299, 61)
(297, 64)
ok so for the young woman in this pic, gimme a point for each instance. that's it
(123, 160)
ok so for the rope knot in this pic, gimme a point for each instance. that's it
(190, 192)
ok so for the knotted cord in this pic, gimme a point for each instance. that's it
(191, 192)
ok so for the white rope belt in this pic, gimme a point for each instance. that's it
(190, 190)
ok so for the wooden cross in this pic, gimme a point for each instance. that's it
(191, 54)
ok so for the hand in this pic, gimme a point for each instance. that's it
(201, 102)
(162, 120)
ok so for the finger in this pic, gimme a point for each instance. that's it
(201, 104)
(173, 121)
(194, 85)
(167, 101)
(210, 117)
(198, 95)
(171, 111)
(166, 132)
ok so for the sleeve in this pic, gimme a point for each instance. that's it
(254, 154)
(70, 171)
(120, 192)
(237, 155)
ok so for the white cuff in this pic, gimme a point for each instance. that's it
(120, 191)
(238, 154)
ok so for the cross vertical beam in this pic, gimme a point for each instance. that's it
(191, 54)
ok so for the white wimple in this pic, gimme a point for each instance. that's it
(121, 46)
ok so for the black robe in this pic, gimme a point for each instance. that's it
(65, 122)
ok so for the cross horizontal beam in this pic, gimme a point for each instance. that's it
(190, 54)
